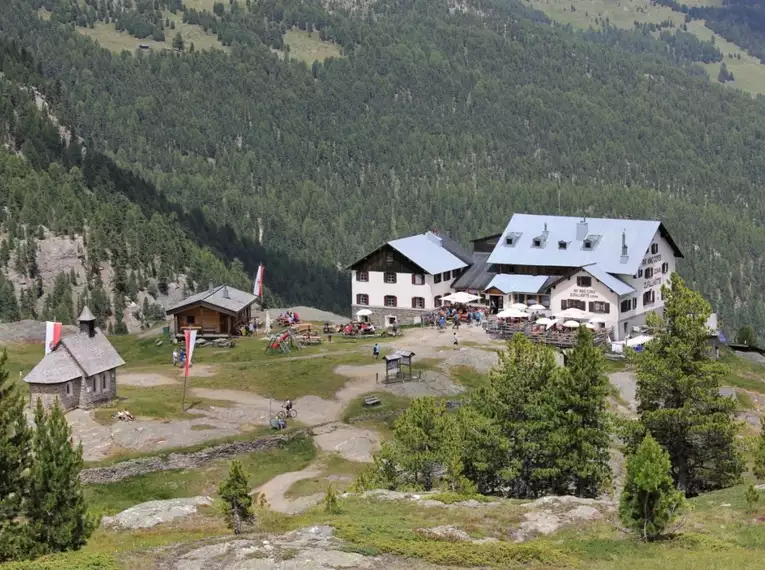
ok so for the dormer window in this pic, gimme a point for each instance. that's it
(537, 242)
(587, 244)
(513, 238)
(562, 245)
(510, 240)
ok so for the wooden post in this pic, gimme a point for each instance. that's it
(185, 380)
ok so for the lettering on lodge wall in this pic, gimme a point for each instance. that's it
(580, 293)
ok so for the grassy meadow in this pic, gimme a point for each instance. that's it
(308, 47)
(748, 72)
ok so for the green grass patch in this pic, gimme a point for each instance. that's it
(159, 402)
(334, 465)
(742, 373)
(451, 498)
(388, 403)
(468, 377)
(67, 561)
(202, 427)
(616, 365)
(745, 401)
(261, 466)
(308, 47)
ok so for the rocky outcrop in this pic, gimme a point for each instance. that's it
(152, 513)
(547, 514)
(133, 467)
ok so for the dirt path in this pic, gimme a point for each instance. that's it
(626, 382)
(275, 489)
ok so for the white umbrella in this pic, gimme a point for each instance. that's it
(551, 324)
(571, 324)
(590, 326)
(519, 306)
(598, 320)
(512, 314)
(545, 321)
(363, 313)
(572, 313)
(537, 307)
(460, 297)
(638, 340)
(267, 330)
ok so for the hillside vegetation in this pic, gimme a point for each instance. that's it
(453, 119)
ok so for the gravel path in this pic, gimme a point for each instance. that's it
(626, 382)
(306, 314)
(275, 489)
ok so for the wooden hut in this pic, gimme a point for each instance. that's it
(214, 313)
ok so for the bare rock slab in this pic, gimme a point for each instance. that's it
(148, 515)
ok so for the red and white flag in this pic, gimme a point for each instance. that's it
(257, 289)
(191, 340)
(52, 336)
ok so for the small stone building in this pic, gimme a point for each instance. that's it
(80, 371)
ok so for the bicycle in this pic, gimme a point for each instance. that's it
(284, 414)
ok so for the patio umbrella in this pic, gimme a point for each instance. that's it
(537, 307)
(598, 320)
(590, 326)
(571, 324)
(551, 324)
(363, 313)
(572, 313)
(512, 313)
(545, 321)
(519, 306)
(461, 297)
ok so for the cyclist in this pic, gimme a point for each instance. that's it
(288, 406)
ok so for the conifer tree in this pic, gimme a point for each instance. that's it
(678, 394)
(56, 513)
(649, 501)
(235, 491)
(578, 404)
(759, 453)
(15, 457)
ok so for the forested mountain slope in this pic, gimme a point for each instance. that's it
(435, 116)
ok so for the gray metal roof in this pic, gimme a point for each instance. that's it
(427, 251)
(223, 297)
(86, 315)
(76, 356)
(477, 275)
(457, 249)
(614, 283)
(518, 283)
(606, 235)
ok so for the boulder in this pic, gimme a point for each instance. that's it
(584, 513)
(152, 513)
(446, 532)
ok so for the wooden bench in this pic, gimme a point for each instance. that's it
(372, 401)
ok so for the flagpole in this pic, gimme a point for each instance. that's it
(185, 379)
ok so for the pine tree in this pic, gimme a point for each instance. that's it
(649, 501)
(759, 453)
(15, 457)
(235, 491)
(578, 403)
(132, 286)
(678, 391)
(55, 510)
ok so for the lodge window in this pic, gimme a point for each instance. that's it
(390, 301)
(520, 297)
(94, 383)
(104, 381)
(587, 244)
(626, 305)
(437, 278)
(447, 275)
(640, 273)
(537, 242)
(362, 276)
(362, 299)
(562, 245)
(584, 281)
(573, 304)
(649, 272)
(389, 258)
(189, 319)
(665, 267)
(390, 277)
(437, 301)
(418, 279)
(418, 303)
(634, 302)
(600, 307)
(654, 248)
(649, 297)
(510, 240)
(68, 388)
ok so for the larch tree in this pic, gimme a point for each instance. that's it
(55, 510)
(235, 492)
(15, 458)
(678, 394)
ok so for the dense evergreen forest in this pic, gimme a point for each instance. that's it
(433, 117)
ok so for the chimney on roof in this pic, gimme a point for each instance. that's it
(581, 229)
(225, 292)
(87, 322)
(625, 252)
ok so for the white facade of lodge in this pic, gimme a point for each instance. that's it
(611, 269)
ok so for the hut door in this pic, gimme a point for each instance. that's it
(223, 327)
